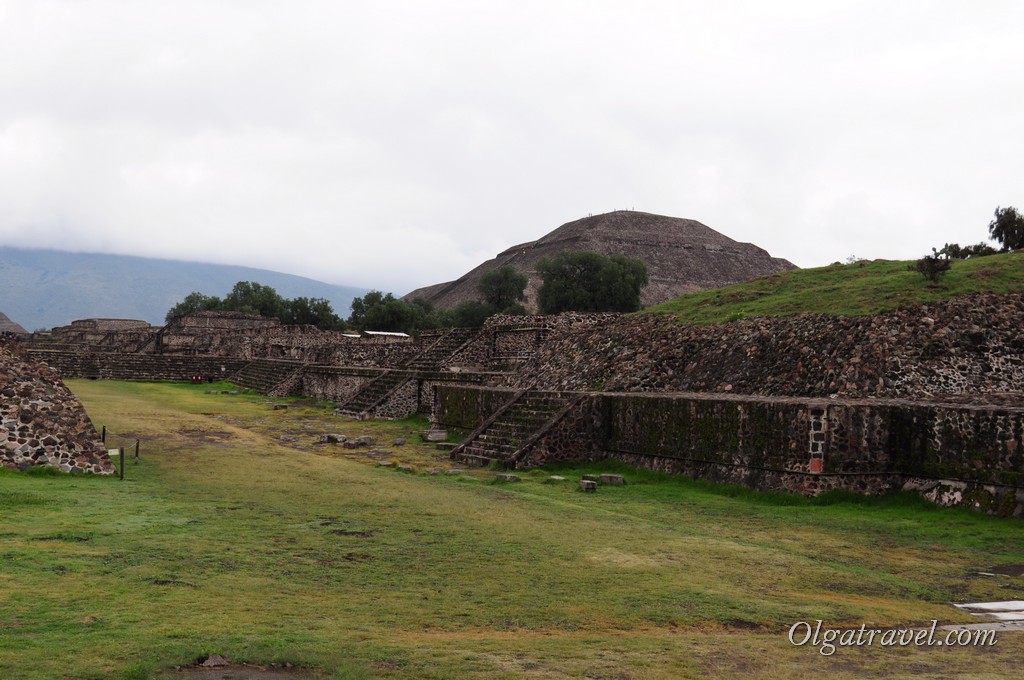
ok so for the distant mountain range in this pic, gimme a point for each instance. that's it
(47, 288)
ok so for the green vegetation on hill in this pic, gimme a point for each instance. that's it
(857, 289)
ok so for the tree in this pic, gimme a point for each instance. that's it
(585, 281)
(932, 266)
(954, 251)
(312, 311)
(503, 287)
(254, 298)
(1007, 228)
(471, 314)
(379, 312)
(193, 302)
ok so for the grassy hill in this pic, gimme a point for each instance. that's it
(861, 288)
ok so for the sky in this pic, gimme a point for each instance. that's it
(393, 144)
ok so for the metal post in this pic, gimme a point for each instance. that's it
(122, 462)
(136, 451)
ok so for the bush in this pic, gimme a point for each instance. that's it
(932, 267)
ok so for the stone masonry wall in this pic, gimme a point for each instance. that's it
(969, 345)
(868, 446)
(42, 422)
(117, 366)
(334, 383)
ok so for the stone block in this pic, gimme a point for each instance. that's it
(453, 472)
(613, 480)
(588, 485)
(434, 435)
(505, 477)
(333, 438)
(385, 463)
(405, 468)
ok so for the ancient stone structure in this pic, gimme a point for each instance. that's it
(7, 326)
(42, 422)
(960, 454)
(681, 255)
(971, 345)
(927, 397)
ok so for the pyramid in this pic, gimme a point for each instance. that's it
(682, 256)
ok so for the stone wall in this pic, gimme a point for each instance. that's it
(41, 422)
(969, 345)
(335, 383)
(507, 341)
(117, 366)
(466, 407)
(868, 446)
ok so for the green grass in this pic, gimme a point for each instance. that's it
(238, 534)
(862, 288)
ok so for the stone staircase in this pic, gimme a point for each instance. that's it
(373, 392)
(263, 375)
(432, 358)
(500, 438)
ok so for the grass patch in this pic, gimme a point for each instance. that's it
(858, 289)
(264, 546)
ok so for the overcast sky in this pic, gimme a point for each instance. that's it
(393, 144)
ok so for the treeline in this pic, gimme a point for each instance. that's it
(571, 281)
(255, 298)
(1007, 228)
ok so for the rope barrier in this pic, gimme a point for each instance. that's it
(104, 433)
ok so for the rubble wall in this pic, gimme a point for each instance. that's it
(968, 345)
(42, 423)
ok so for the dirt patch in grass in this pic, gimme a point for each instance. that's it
(1009, 570)
(247, 672)
(206, 437)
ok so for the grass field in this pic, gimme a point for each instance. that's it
(854, 289)
(238, 534)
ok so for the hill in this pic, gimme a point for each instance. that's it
(681, 256)
(47, 288)
(857, 289)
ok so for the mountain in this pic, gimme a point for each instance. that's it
(47, 288)
(682, 256)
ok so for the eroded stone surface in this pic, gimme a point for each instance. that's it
(42, 422)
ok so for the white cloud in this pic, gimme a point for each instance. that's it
(397, 144)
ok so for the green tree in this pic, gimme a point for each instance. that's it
(585, 281)
(312, 311)
(471, 314)
(377, 311)
(1007, 228)
(193, 302)
(954, 251)
(503, 287)
(254, 298)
